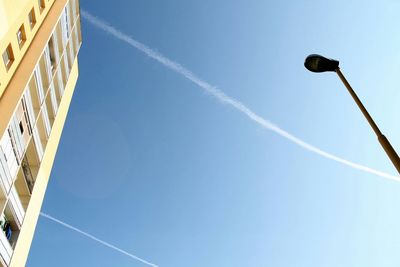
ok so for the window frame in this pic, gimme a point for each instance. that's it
(8, 56)
(42, 5)
(32, 18)
(21, 39)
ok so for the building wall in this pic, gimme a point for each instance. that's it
(11, 11)
(13, 15)
(35, 94)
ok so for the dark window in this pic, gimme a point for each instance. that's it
(21, 127)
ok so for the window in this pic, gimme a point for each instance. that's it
(42, 5)
(32, 18)
(8, 57)
(21, 127)
(21, 37)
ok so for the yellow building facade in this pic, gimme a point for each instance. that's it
(39, 44)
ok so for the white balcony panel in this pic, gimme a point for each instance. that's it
(5, 248)
(67, 19)
(55, 49)
(76, 39)
(5, 175)
(66, 65)
(29, 107)
(60, 81)
(71, 53)
(53, 98)
(38, 143)
(64, 29)
(16, 206)
(16, 138)
(9, 154)
(69, 16)
(49, 67)
(73, 7)
(39, 84)
(46, 120)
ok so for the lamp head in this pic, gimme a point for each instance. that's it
(317, 63)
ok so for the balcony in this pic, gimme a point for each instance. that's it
(9, 231)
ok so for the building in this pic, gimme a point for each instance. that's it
(39, 43)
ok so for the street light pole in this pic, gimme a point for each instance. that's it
(358, 102)
(317, 63)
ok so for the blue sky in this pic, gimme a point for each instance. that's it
(152, 164)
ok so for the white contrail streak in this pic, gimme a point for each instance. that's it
(97, 240)
(221, 96)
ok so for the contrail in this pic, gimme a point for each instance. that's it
(221, 96)
(98, 240)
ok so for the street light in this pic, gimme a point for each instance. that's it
(317, 63)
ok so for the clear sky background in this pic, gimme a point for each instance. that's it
(152, 164)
